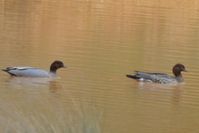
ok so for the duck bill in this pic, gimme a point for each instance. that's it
(185, 70)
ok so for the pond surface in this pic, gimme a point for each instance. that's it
(100, 41)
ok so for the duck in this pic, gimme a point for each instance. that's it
(161, 78)
(35, 72)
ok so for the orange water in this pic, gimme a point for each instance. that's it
(100, 41)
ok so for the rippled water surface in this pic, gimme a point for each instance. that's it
(100, 41)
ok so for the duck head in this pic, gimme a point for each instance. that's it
(56, 65)
(177, 69)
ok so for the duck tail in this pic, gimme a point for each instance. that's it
(132, 76)
(5, 70)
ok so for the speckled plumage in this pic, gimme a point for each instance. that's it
(160, 77)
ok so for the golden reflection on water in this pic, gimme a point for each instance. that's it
(100, 41)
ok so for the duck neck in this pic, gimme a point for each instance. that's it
(179, 78)
(53, 69)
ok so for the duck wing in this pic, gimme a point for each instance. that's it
(153, 77)
(13, 70)
(26, 72)
(16, 68)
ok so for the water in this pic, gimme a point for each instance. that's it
(100, 42)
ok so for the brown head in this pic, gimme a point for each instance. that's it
(177, 69)
(56, 65)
